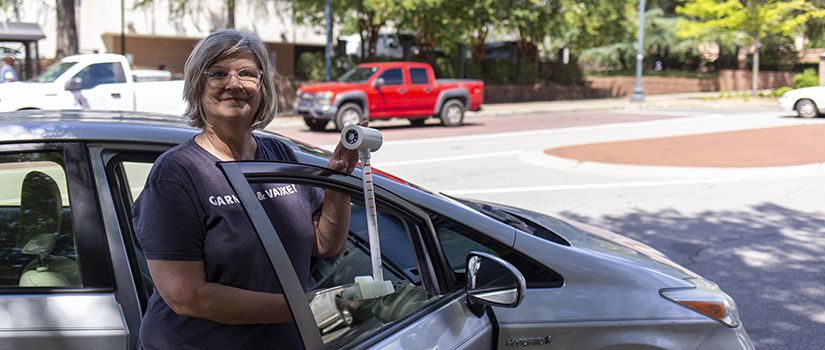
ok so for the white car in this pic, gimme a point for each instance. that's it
(805, 101)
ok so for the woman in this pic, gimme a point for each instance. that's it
(214, 286)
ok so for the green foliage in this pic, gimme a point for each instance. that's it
(311, 66)
(778, 92)
(809, 77)
(526, 72)
(567, 74)
(445, 68)
(497, 70)
(472, 70)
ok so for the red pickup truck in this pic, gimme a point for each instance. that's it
(388, 90)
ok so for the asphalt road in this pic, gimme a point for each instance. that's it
(758, 232)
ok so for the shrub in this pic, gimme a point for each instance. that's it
(472, 70)
(445, 68)
(526, 72)
(497, 70)
(779, 91)
(808, 77)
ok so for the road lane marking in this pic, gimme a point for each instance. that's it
(554, 131)
(591, 186)
(452, 159)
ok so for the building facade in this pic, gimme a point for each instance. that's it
(151, 33)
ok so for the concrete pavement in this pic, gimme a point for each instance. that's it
(666, 142)
(709, 100)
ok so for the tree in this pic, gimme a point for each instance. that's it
(14, 6)
(660, 44)
(365, 17)
(533, 20)
(751, 20)
(67, 43)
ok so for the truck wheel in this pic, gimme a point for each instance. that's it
(806, 108)
(349, 113)
(316, 124)
(452, 114)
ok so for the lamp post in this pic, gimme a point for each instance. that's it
(638, 96)
(328, 47)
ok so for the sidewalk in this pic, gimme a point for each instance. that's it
(686, 100)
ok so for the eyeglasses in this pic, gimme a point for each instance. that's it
(247, 77)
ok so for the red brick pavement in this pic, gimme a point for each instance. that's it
(770, 147)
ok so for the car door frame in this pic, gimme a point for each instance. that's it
(241, 174)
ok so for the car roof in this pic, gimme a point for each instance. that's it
(73, 125)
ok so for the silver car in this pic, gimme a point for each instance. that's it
(72, 274)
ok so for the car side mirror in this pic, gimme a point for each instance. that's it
(492, 281)
(379, 82)
(74, 84)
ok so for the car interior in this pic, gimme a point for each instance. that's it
(37, 247)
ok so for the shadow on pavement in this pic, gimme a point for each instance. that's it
(769, 259)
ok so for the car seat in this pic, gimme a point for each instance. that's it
(41, 212)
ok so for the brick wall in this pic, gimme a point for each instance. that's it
(727, 80)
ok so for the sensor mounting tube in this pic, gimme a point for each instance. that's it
(367, 140)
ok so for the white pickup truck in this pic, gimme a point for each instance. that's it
(96, 81)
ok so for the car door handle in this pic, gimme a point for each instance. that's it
(116, 94)
(428, 90)
(402, 91)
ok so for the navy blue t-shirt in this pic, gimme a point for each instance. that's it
(188, 211)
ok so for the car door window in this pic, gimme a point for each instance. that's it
(419, 76)
(37, 242)
(101, 73)
(342, 321)
(458, 240)
(393, 76)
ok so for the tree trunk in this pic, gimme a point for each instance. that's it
(66, 29)
(230, 14)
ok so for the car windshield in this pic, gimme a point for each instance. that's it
(358, 75)
(55, 71)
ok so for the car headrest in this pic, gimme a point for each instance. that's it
(41, 208)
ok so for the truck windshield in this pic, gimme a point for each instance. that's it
(358, 75)
(55, 71)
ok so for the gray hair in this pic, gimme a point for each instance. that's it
(215, 47)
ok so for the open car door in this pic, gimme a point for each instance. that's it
(421, 313)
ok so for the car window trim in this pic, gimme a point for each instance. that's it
(116, 177)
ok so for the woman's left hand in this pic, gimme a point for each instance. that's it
(344, 160)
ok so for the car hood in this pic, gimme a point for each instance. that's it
(604, 243)
(334, 87)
